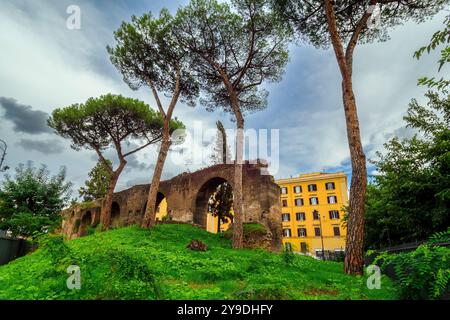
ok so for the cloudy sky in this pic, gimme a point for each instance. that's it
(44, 65)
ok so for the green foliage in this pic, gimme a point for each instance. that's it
(309, 20)
(107, 121)
(134, 263)
(254, 227)
(249, 228)
(288, 255)
(440, 237)
(166, 218)
(55, 248)
(221, 203)
(96, 186)
(440, 37)
(31, 201)
(147, 53)
(421, 274)
(233, 49)
(410, 196)
(263, 292)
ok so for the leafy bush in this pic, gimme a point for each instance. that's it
(420, 274)
(129, 276)
(32, 200)
(288, 255)
(440, 237)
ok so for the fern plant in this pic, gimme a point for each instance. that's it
(440, 237)
(420, 274)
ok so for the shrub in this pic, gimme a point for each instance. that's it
(440, 237)
(420, 274)
(288, 255)
(54, 247)
(127, 276)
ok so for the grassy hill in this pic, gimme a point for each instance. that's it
(134, 263)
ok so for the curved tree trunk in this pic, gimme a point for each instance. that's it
(107, 202)
(149, 219)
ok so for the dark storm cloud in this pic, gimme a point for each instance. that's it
(134, 164)
(24, 118)
(46, 147)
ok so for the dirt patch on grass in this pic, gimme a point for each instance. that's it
(321, 292)
(196, 285)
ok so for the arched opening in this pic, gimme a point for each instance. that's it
(161, 207)
(115, 215)
(86, 221)
(214, 199)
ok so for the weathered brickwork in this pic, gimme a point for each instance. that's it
(187, 195)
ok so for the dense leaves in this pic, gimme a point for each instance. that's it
(148, 54)
(110, 121)
(309, 20)
(410, 197)
(221, 203)
(421, 274)
(96, 186)
(243, 42)
(31, 201)
(107, 121)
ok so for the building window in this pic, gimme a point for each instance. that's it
(283, 190)
(297, 189)
(334, 214)
(300, 216)
(284, 203)
(301, 232)
(285, 217)
(287, 233)
(314, 201)
(312, 187)
(316, 215)
(332, 199)
(337, 231)
(298, 202)
(288, 246)
(330, 186)
(303, 247)
(317, 232)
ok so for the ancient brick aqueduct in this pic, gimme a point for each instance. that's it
(187, 198)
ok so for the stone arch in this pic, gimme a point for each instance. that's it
(159, 198)
(202, 197)
(86, 221)
(115, 215)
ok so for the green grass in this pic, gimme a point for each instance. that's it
(134, 263)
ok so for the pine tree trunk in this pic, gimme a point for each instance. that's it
(354, 261)
(238, 189)
(107, 203)
(354, 256)
(149, 219)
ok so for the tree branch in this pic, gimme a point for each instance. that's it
(155, 94)
(336, 40)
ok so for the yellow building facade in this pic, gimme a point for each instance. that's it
(161, 211)
(312, 212)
